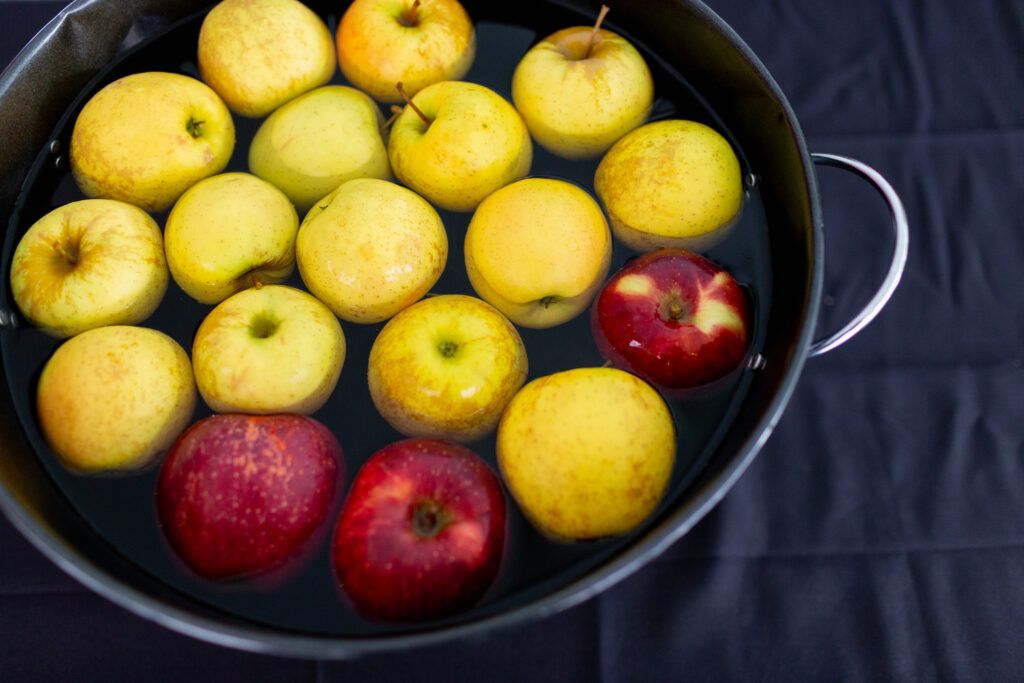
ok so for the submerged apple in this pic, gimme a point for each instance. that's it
(674, 318)
(240, 495)
(422, 532)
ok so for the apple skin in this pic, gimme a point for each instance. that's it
(422, 532)
(370, 249)
(270, 349)
(445, 368)
(671, 183)
(146, 138)
(476, 142)
(87, 264)
(538, 251)
(258, 54)
(587, 453)
(228, 232)
(702, 340)
(319, 140)
(377, 49)
(240, 495)
(578, 103)
(114, 398)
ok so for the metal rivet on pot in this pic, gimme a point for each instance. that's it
(58, 163)
(750, 181)
(757, 362)
(7, 319)
(54, 146)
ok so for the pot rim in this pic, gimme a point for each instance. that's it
(265, 640)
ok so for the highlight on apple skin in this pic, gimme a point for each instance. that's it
(241, 495)
(674, 318)
(422, 532)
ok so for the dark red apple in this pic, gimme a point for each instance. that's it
(674, 318)
(241, 495)
(421, 533)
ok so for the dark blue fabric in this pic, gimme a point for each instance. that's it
(880, 534)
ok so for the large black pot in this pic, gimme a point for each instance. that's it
(48, 75)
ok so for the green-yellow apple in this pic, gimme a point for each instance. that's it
(671, 184)
(319, 140)
(258, 54)
(270, 349)
(230, 232)
(538, 250)
(146, 138)
(445, 368)
(459, 143)
(370, 249)
(87, 264)
(587, 453)
(581, 89)
(382, 42)
(115, 398)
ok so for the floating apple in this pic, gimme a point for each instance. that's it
(418, 43)
(581, 89)
(243, 494)
(587, 453)
(422, 532)
(171, 131)
(87, 264)
(674, 318)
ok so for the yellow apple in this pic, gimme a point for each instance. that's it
(115, 398)
(472, 143)
(370, 249)
(445, 368)
(227, 233)
(146, 138)
(313, 144)
(587, 453)
(382, 42)
(87, 264)
(538, 251)
(580, 89)
(258, 54)
(671, 184)
(271, 349)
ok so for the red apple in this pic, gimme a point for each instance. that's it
(674, 318)
(422, 532)
(243, 494)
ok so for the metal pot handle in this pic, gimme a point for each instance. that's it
(899, 255)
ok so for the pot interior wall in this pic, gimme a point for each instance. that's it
(40, 87)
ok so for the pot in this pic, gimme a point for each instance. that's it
(42, 84)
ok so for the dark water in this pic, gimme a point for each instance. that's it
(121, 508)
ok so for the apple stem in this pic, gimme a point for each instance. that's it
(408, 100)
(255, 281)
(395, 111)
(597, 27)
(429, 519)
(675, 311)
(65, 254)
(410, 18)
(194, 127)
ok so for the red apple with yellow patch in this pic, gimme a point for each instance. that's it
(674, 318)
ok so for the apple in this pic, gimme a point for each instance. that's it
(87, 264)
(538, 250)
(271, 349)
(319, 140)
(670, 184)
(146, 138)
(457, 143)
(240, 495)
(587, 453)
(422, 532)
(114, 398)
(258, 54)
(382, 42)
(230, 232)
(370, 249)
(445, 368)
(674, 318)
(581, 89)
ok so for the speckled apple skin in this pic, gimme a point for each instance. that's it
(240, 495)
(631, 332)
(388, 571)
